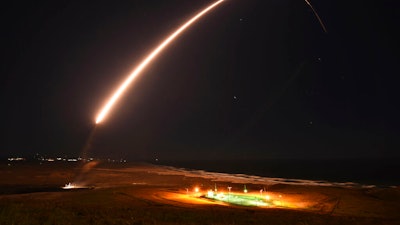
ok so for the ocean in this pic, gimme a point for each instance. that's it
(377, 172)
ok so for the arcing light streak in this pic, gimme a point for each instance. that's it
(316, 14)
(147, 60)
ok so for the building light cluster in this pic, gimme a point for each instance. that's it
(16, 159)
(44, 158)
(64, 159)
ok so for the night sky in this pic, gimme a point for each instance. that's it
(252, 79)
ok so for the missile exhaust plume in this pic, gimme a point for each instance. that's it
(117, 94)
(316, 14)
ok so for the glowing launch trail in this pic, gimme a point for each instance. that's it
(316, 15)
(117, 94)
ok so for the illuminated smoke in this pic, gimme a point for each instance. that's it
(117, 94)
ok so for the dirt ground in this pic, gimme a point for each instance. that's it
(149, 194)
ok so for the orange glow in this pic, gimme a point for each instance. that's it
(274, 201)
(117, 94)
(291, 201)
(189, 199)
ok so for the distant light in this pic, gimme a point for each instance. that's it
(16, 159)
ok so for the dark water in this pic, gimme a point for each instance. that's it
(380, 172)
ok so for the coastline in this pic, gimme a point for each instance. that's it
(154, 194)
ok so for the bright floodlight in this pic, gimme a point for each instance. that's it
(117, 94)
(69, 186)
